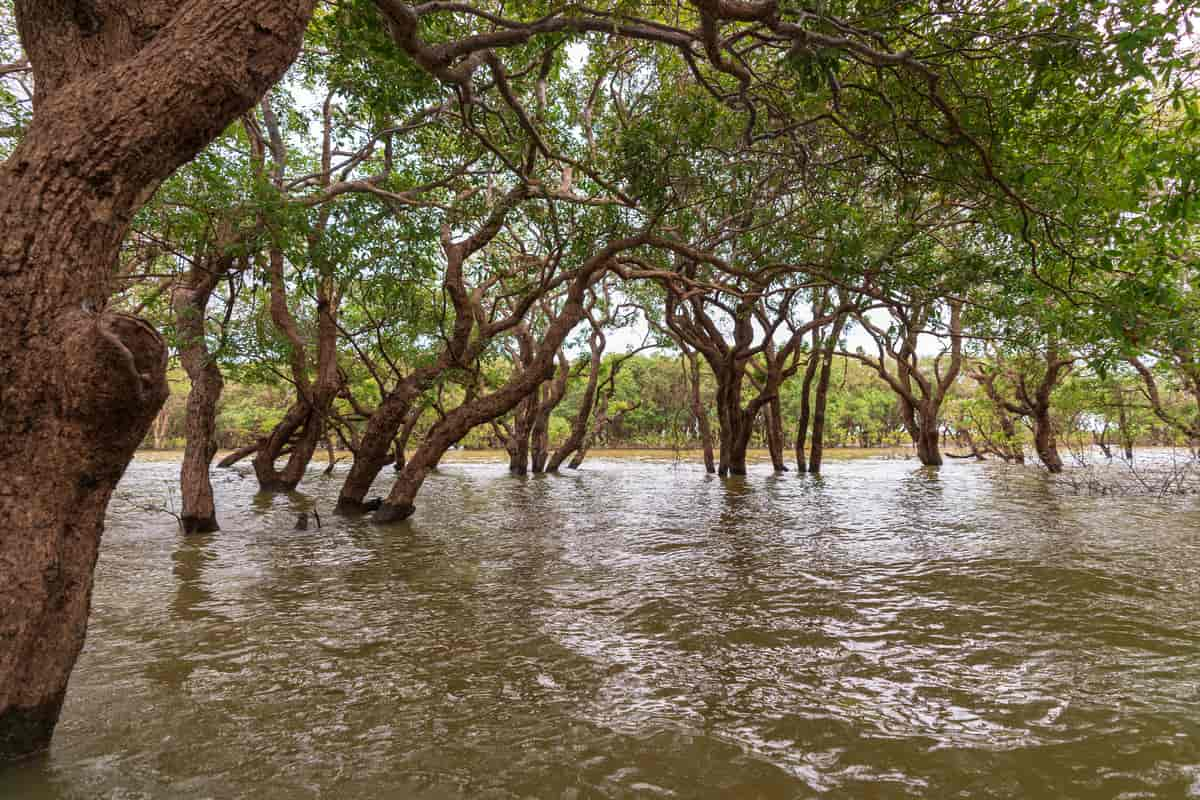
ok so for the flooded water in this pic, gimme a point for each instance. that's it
(643, 630)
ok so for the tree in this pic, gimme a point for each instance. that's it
(125, 93)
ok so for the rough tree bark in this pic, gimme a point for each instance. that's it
(190, 305)
(516, 440)
(126, 92)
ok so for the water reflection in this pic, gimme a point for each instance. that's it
(637, 629)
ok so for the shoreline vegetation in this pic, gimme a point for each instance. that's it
(497, 455)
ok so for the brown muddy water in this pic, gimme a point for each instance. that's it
(640, 629)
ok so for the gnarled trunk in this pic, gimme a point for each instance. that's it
(374, 447)
(304, 425)
(400, 502)
(922, 427)
(736, 428)
(517, 443)
(1045, 441)
(125, 94)
(579, 423)
(302, 433)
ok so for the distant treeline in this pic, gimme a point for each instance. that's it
(651, 408)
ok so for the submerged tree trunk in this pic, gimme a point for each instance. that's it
(922, 427)
(1045, 441)
(190, 304)
(125, 93)
(539, 432)
(928, 443)
(802, 420)
(589, 440)
(304, 425)
(736, 428)
(400, 502)
(394, 414)
(237, 455)
(774, 420)
(297, 430)
(821, 401)
(700, 414)
(579, 423)
(517, 443)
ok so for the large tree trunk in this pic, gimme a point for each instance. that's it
(736, 428)
(518, 443)
(190, 304)
(737, 425)
(928, 442)
(1045, 442)
(125, 94)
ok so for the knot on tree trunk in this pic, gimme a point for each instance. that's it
(113, 374)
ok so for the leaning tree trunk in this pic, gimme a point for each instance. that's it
(579, 423)
(237, 455)
(190, 304)
(593, 434)
(302, 432)
(374, 447)
(125, 93)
